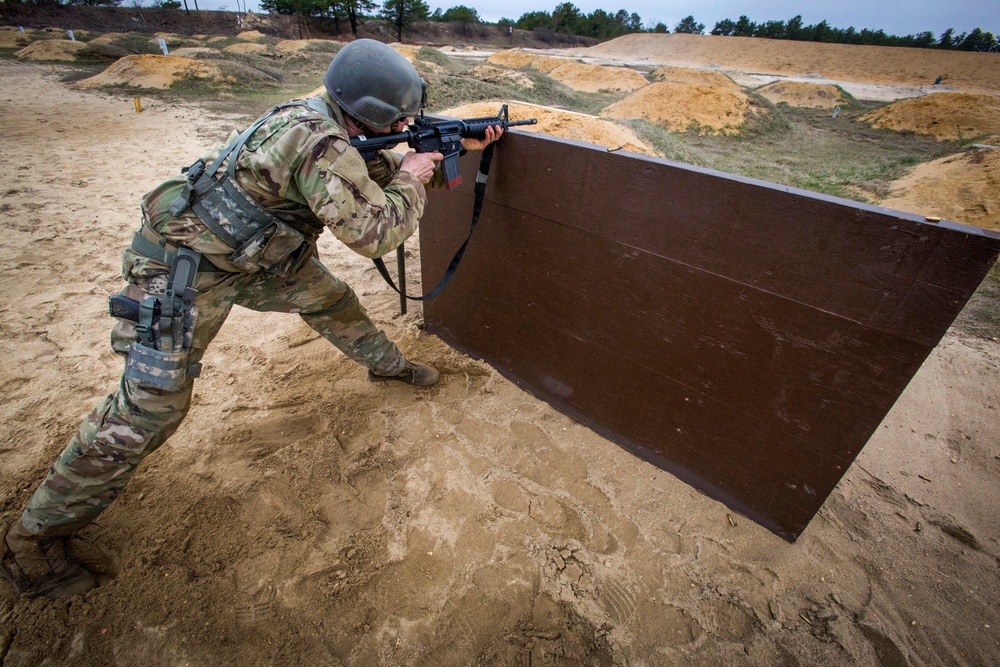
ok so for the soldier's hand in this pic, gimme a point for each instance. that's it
(421, 165)
(492, 134)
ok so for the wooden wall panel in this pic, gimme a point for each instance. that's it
(747, 337)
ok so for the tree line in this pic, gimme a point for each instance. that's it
(600, 24)
(795, 29)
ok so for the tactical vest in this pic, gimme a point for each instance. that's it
(262, 239)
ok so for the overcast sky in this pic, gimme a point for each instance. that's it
(897, 17)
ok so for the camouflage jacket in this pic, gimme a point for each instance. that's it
(300, 158)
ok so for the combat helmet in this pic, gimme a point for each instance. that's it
(374, 84)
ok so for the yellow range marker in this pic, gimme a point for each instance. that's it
(138, 105)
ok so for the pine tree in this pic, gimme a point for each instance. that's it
(404, 13)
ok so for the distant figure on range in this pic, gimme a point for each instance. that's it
(239, 227)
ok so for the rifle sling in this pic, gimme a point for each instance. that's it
(477, 207)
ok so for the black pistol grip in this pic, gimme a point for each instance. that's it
(123, 308)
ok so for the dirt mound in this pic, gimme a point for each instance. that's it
(248, 48)
(559, 123)
(108, 38)
(500, 75)
(150, 71)
(594, 78)
(801, 94)
(702, 77)
(13, 39)
(194, 52)
(293, 46)
(682, 106)
(252, 35)
(215, 39)
(944, 115)
(963, 187)
(964, 70)
(174, 40)
(517, 59)
(411, 53)
(51, 49)
(407, 51)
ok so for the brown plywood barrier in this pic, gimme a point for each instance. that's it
(747, 337)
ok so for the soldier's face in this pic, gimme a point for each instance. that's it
(398, 126)
(356, 127)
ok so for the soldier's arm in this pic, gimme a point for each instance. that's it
(369, 219)
(384, 167)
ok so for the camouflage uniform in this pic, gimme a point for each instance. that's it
(297, 160)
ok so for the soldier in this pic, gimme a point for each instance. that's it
(239, 229)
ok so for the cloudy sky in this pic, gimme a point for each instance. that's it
(898, 17)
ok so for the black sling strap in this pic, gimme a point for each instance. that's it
(480, 192)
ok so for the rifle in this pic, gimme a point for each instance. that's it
(444, 136)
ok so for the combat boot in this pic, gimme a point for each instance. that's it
(415, 374)
(41, 566)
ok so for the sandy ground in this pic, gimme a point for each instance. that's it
(877, 66)
(594, 78)
(694, 75)
(745, 74)
(523, 58)
(249, 47)
(151, 71)
(953, 116)
(51, 49)
(494, 74)
(292, 46)
(964, 186)
(679, 106)
(560, 123)
(799, 94)
(302, 515)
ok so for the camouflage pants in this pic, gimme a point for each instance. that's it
(132, 422)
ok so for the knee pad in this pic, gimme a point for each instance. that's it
(348, 299)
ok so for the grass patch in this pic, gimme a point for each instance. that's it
(327, 48)
(447, 91)
(247, 104)
(429, 55)
(135, 43)
(220, 43)
(804, 148)
(765, 119)
(100, 53)
(453, 91)
(850, 102)
(241, 81)
(550, 92)
(80, 71)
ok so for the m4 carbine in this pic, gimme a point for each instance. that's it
(443, 136)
